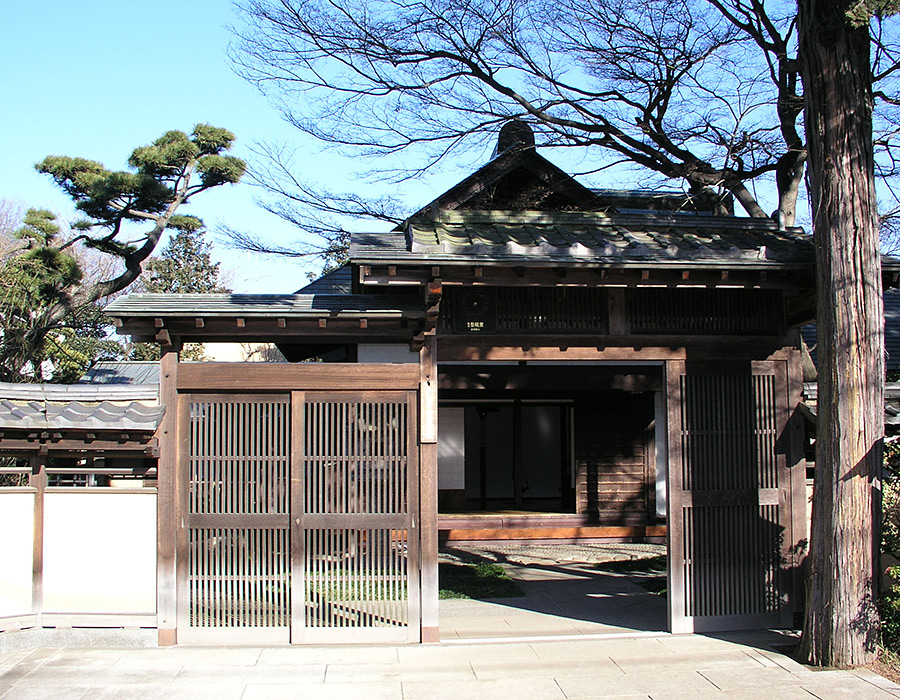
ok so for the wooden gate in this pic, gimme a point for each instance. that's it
(299, 518)
(730, 496)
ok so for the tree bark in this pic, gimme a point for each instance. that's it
(841, 627)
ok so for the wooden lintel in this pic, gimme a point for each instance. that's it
(323, 323)
(241, 323)
(199, 323)
(158, 322)
(561, 272)
(763, 276)
(282, 323)
(520, 271)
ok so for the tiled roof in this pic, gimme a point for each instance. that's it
(79, 392)
(594, 237)
(338, 281)
(122, 373)
(271, 305)
(75, 415)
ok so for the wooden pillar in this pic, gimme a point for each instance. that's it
(796, 463)
(38, 481)
(678, 622)
(618, 311)
(428, 498)
(166, 495)
(518, 466)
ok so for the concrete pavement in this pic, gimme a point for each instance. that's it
(659, 668)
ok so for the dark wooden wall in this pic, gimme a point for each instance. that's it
(614, 461)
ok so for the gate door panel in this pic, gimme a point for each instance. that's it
(355, 488)
(235, 545)
(730, 497)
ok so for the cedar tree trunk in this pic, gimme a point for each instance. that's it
(841, 627)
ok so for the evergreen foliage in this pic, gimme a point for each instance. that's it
(183, 267)
(49, 307)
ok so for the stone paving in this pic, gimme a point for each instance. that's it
(657, 668)
(564, 594)
(575, 634)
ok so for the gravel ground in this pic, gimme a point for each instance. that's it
(524, 554)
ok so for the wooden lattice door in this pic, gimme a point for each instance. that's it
(355, 496)
(298, 518)
(730, 496)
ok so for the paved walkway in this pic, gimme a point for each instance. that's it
(680, 668)
(559, 600)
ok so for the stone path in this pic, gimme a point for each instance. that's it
(564, 594)
(658, 668)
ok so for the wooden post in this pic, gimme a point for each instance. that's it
(618, 312)
(796, 462)
(678, 623)
(38, 481)
(428, 500)
(518, 467)
(166, 499)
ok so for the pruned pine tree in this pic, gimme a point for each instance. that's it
(184, 266)
(125, 213)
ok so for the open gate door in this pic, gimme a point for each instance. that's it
(299, 518)
(730, 496)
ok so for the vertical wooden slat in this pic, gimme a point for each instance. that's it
(297, 475)
(680, 555)
(428, 503)
(167, 510)
(37, 479)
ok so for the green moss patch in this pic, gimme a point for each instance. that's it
(478, 581)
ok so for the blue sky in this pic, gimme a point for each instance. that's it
(96, 78)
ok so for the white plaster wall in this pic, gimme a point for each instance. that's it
(381, 352)
(451, 448)
(100, 552)
(16, 552)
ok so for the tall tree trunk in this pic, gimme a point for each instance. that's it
(841, 627)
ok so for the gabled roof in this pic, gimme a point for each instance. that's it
(517, 178)
(532, 237)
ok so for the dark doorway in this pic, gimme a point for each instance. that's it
(517, 457)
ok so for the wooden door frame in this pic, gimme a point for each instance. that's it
(180, 381)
